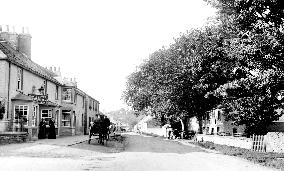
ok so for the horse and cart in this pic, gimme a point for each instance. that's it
(100, 130)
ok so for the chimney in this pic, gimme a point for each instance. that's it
(24, 43)
(10, 37)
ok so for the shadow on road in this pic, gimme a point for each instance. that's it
(138, 143)
(112, 146)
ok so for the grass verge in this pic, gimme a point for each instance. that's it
(274, 160)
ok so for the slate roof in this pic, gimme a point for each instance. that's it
(21, 60)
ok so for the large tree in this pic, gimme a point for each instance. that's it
(251, 99)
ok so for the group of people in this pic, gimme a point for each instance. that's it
(51, 134)
(101, 123)
(173, 130)
(100, 126)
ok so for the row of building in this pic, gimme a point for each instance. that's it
(30, 92)
(215, 123)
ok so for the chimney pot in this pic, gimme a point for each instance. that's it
(7, 28)
(27, 29)
(54, 69)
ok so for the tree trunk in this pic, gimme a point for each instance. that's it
(200, 125)
(182, 128)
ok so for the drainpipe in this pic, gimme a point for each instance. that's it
(10, 124)
(8, 101)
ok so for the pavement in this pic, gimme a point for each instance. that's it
(64, 140)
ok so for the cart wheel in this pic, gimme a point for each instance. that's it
(89, 141)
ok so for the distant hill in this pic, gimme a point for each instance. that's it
(125, 116)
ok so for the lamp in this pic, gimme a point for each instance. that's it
(41, 89)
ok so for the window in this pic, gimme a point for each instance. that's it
(46, 114)
(56, 93)
(66, 94)
(21, 114)
(82, 119)
(219, 115)
(75, 98)
(35, 108)
(83, 102)
(20, 79)
(90, 104)
(96, 107)
(93, 105)
(90, 121)
(44, 86)
(66, 118)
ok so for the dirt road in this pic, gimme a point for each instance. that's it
(136, 153)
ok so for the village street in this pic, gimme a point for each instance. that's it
(136, 152)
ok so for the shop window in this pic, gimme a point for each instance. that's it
(21, 114)
(46, 114)
(35, 110)
(67, 94)
(66, 118)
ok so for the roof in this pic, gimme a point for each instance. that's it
(23, 97)
(21, 60)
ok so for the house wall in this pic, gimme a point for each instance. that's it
(79, 113)
(91, 113)
(4, 76)
(217, 123)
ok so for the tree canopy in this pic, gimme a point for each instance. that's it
(235, 63)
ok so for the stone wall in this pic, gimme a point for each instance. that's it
(155, 131)
(275, 142)
(241, 142)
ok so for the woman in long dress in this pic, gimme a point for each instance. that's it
(51, 134)
(42, 129)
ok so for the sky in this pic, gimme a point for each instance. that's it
(101, 42)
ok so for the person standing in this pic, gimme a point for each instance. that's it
(42, 129)
(51, 134)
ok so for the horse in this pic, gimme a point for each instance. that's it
(100, 127)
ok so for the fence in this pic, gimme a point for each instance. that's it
(258, 143)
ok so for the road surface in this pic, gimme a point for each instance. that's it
(136, 152)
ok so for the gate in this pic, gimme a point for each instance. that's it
(258, 143)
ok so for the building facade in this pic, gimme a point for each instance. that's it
(30, 92)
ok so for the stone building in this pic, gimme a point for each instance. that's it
(30, 92)
(215, 123)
